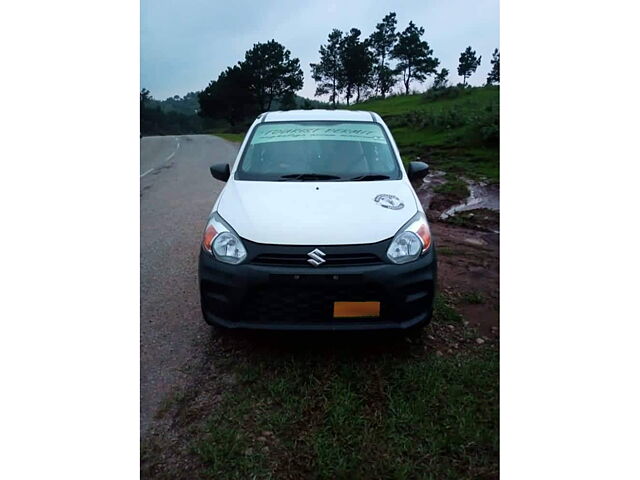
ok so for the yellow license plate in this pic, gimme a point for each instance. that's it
(356, 309)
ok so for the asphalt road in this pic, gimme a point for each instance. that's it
(176, 195)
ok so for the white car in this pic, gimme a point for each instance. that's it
(318, 228)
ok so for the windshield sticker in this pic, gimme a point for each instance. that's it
(389, 201)
(342, 131)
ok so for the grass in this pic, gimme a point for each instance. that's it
(168, 403)
(454, 188)
(473, 298)
(232, 137)
(349, 413)
(399, 104)
(352, 417)
(481, 218)
(447, 251)
(446, 132)
(443, 311)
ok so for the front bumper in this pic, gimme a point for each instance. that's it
(301, 297)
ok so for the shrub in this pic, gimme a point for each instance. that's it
(487, 125)
(396, 121)
(444, 120)
(434, 94)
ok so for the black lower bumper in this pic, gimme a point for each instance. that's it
(301, 297)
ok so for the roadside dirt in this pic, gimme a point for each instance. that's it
(468, 273)
(468, 246)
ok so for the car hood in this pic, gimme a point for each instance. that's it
(317, 213)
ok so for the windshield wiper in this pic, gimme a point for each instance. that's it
(309, 176)
(364, 178)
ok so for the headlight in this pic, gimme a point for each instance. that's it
(221, 241)
(411, 241)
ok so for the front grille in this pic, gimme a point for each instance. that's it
(331, 259)
(297, 305)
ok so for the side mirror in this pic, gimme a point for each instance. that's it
(417, 170)
(221, 171)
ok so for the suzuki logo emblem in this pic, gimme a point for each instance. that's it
(316, 257)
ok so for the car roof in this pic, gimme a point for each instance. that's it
(318, 114)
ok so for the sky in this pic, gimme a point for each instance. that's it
(186, 44)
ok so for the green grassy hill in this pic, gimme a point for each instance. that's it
(456, 130)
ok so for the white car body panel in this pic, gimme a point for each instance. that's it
(315, 213)
(319, 115)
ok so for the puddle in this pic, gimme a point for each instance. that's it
(481, 195)
(425, 189)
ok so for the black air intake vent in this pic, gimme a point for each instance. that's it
(331, 259)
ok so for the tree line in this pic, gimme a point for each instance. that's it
(173, 116)
(351, 67)
(357, 68)
(267, 73)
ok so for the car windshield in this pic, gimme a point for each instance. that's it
(318, 151)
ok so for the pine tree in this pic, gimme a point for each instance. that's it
(441, 80)
(329, 73)
(272, 73)
(357, 65)
(415, 58)
(494, 74)
(468, 64)
(382, 41)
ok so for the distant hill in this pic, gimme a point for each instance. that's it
(302, 103)
(188, 104)
(179, 115)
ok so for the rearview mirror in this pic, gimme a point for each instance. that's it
(417, 170)
(220, 171)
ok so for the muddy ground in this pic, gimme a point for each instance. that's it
(468, 246)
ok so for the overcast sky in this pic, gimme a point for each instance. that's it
(186, 44)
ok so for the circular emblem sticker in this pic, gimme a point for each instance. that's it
(388, 201)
